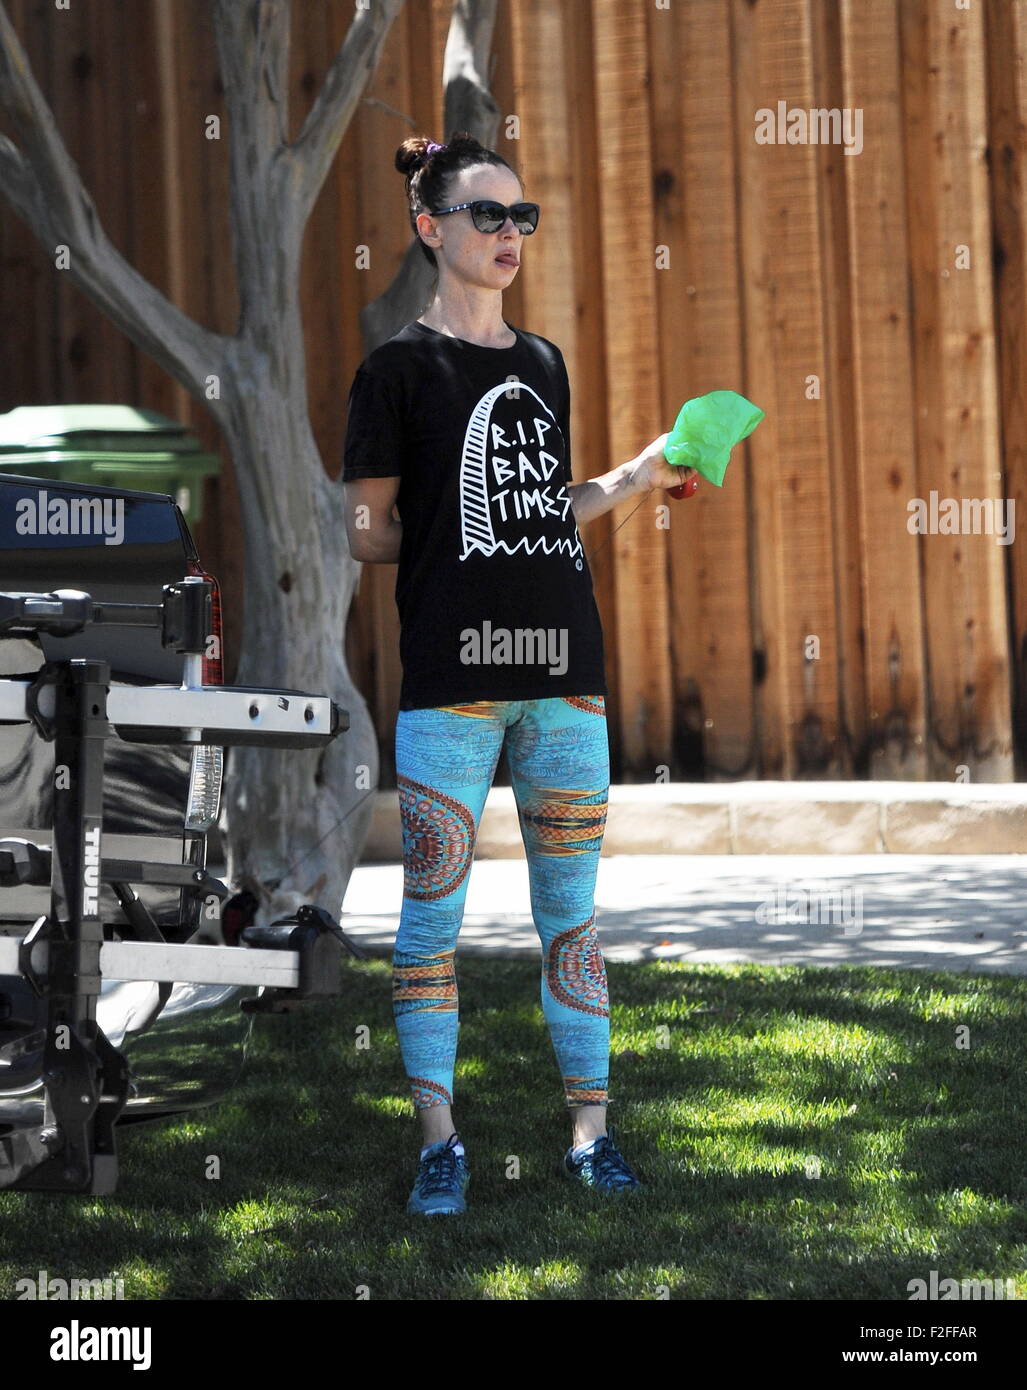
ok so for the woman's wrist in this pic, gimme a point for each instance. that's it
(598, 495)
(636, 475)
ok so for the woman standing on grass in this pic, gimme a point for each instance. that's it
(463, 422)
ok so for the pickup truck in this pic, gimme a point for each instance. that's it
(129, 975)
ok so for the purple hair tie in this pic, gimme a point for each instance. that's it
(432, 147)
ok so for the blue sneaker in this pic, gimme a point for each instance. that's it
(602, 1166)
(442, 1179)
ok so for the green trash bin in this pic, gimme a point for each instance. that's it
(112, 445)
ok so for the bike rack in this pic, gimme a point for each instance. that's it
(63, 956)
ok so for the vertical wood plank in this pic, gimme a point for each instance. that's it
(586, 364)
(956, 389)
(429, 27)
(106, 122)
(701, 349)
(792, 501)
(763, 454)
(847, 728)
(1006, 37)
(627, 246)
(156, 218)
(93, 353)
(887, 716)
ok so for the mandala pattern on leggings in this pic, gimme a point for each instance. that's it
(427, 982)
(586, 1090)
(575, 971)
(567, 820)
(438, 834)
(427, 1093)
(591, 704)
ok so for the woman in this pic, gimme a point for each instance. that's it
(463, 422)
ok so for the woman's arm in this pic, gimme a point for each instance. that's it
(597, 495)
(650, 469)
(374, 534)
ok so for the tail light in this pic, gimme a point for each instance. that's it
(213, 665)
(207, 763)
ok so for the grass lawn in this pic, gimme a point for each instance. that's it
(803, 1133)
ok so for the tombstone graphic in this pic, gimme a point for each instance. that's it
(511, 493)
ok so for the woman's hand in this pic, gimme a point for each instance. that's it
(651, 469)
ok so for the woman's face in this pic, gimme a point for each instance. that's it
(460, 249)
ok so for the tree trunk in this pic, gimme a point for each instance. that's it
(299, 580)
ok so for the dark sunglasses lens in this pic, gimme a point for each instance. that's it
(489, 217)
(525, 216)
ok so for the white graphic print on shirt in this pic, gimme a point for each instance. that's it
(509, 496)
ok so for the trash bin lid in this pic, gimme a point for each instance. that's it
(93, 428)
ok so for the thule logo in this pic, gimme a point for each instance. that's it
(91, 875)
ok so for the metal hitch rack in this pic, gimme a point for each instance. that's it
(64, 956)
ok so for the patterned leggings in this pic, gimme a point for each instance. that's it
(559, 761)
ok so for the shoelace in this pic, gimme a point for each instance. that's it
(440, 1173)
(609, 1165)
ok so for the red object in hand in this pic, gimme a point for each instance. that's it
(685, 489)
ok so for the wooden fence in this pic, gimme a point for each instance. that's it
(865, 285)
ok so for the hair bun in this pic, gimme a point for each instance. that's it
(415, 153)
(411, 156)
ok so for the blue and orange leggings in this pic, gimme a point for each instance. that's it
(559, 760)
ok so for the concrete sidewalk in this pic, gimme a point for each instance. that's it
(942, 911)
(762, 817)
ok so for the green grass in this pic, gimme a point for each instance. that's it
(803, 1133)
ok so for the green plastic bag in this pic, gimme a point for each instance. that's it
(707, 429)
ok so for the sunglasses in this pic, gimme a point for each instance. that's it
(488, 216)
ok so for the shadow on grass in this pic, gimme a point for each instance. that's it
(801, 1133)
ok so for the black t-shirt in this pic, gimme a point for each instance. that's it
(493, 588)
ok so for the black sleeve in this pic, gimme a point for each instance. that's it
(564, 421)
(375, 436)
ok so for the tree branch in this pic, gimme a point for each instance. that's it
(16, 179)
(43, 184)
(253, 51)
(352, 69)
(468, 105)
(468, 102)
